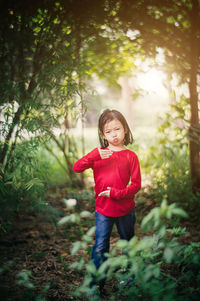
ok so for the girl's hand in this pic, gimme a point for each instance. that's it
(105, 193)
(105, 153)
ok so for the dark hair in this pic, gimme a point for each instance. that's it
(109, 115)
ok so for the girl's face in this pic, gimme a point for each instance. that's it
(114, 133)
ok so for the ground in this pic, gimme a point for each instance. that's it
(38, 245)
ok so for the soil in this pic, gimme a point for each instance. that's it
(38, 245)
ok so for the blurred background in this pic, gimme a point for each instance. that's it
(63, 63)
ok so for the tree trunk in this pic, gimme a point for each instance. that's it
(10, 154)
(80, 92)
(9, 135)
(194, 119)
(127, 99)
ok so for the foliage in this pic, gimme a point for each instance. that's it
(48, 51)
(146, 259)
(166, 164)
(33, 87)
(159, 215)
(23, 279)
(152, 24)
(22, 188)
(168, 169)
(37, 91)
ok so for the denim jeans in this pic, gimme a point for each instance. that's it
(104, 224)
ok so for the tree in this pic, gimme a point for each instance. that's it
(39, 64)
(175, 27)
(48, 50)
(34, 63)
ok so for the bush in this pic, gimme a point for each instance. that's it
(167, 167)
(164, 269)
(22, 187)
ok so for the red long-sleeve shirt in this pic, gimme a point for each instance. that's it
(115, 172)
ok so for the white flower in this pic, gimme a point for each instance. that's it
(70, 202)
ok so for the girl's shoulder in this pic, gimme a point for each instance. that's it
(94, 153)
(131, 154)
(94, 150)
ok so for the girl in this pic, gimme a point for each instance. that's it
(113, 166)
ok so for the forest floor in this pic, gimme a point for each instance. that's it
(38, 245)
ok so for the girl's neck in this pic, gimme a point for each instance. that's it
(116, 148)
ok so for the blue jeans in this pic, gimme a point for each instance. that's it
(104, 224)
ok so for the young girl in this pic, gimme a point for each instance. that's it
(113, 166)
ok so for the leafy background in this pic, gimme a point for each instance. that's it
(62, 63)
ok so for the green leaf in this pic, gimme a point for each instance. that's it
(180, 212)
(122, 244)
(91, 231)
(76, 247)
(168, 254)
(104, 266)
(63, 220)
(72, 218)
(85, 214)
(87, 238)
(146, 222)
(77, 264)
(91, 268)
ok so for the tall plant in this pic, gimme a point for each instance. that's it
(33, 61)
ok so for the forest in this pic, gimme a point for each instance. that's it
(62, 62)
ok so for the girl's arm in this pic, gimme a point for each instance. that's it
(88, 160)
(134, 187)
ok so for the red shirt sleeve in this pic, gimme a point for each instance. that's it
(134, 187)
(87, 161)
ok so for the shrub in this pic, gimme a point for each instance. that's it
(21, 185)
(164, 269)
(167, 167)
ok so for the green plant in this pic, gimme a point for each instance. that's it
(164, 269)
(21, 186)
(23, 278)
(6, 267)
(167, 168)
(158, 216)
